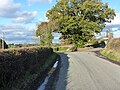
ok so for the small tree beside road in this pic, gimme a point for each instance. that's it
(44, 31)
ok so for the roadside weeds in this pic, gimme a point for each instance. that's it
(105, 58)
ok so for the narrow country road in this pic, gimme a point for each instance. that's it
(86, 71)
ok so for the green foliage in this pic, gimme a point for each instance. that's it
(79, 20)
(44, 31)
(20, 67)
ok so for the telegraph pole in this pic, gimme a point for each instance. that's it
(2, 40)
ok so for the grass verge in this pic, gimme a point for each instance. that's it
(111, 54)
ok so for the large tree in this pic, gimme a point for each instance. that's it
(79, 20)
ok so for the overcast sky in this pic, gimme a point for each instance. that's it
(19, 18)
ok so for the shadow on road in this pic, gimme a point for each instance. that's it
(58, 79)
(63, 72)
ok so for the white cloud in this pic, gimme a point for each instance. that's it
(114, 26)
(25, 17)
(39, 1)
(16, 33)
(42, 20)
(10, 9)
(116, 20)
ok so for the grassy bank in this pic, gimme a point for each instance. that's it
(112, 50)
(19, 68)
(113, 55)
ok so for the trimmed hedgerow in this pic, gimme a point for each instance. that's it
(19, 67)
(65, 48)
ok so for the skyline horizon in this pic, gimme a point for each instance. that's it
(19, 19)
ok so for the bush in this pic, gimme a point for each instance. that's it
(18, 67)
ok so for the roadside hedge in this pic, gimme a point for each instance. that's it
(20, 67)
(114, 44)
(112, 50)
(65, 48)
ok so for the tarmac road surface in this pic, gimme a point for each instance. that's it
(86, 71)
